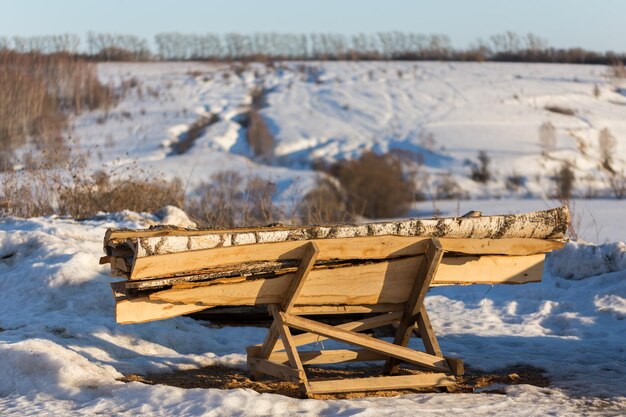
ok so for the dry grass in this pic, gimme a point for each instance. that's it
(72, 189)
(37, 92)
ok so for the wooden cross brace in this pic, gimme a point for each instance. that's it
(409, 317)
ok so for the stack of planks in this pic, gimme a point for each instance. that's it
(171, 271)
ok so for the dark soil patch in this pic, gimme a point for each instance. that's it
(188, 138)
(222, 377)
(561, 110)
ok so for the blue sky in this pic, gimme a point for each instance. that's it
(592, 24)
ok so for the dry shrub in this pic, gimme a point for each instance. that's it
(547, 138)
(617, 183)
(480, 171)
(596, 91)
(260, 138)
(514, 182)
(608, 148)
(375, 185)
(446, 188)
(324, 204)
(607, 144)
(564, 180)
(412, 163)
(230, 201)
(27, 194)
(257, 96)
(103, 193)
(72, 189)
(617, 72)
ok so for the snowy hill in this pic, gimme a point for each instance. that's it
(443, 112)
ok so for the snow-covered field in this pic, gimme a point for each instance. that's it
(61, 352)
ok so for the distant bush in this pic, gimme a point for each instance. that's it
(480, 171)
(617, 71)
(324, 204)
(260, 138)
(547, 138)
(229, 200)
(446, 188)
(615, 178)
(564, 180)
(607, 144)
(596, 91)
(515, 182)
(375, 185)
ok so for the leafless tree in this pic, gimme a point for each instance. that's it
(547, 138)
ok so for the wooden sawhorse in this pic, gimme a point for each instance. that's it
(279, 357)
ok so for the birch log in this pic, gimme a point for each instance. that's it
(549, 224)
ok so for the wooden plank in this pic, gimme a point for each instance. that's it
(356, 326)
(490, 270)
(297, 282)
(143, 310)
(383, 282)
(269, 344)
(345, 249)
(120, 264)
(381, 383)
(319, 357)
(379, 346)
(290, 346)
(509, 247)
(277, 370)
(456, 366)
(295, 286)
(377, 247)
(424, 277)
(427, 334)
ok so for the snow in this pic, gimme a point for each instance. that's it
(61, 351)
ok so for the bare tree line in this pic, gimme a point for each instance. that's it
(48, 44)
(387, 45)
(116, 47)
(394, 45)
